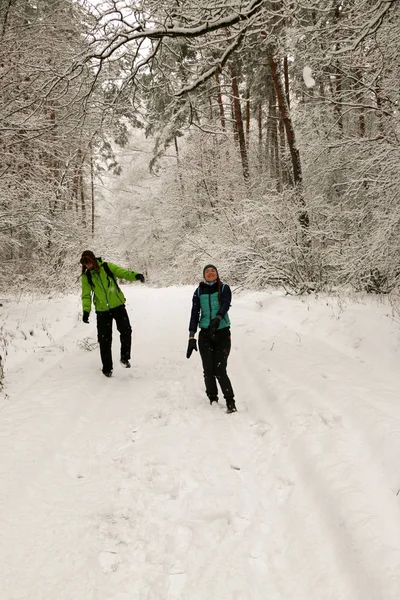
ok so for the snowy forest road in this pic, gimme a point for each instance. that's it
(136, 488)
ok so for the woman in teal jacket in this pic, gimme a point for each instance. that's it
(210, 304)
(99, 284)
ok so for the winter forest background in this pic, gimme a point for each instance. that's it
(262, 135)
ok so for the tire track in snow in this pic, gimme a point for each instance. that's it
(348, 518)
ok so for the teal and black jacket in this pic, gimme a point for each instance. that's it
(104, 291)
(206, 306)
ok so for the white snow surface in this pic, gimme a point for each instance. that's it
(135, 488)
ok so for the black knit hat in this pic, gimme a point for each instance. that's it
(207, 267)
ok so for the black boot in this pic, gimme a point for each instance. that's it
(107, 373)
(125, 363)
(230, 405)
(213, 399)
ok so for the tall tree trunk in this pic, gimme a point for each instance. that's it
(178, 164)
(211, 108)
(234, 124)
(75, 189)
(238, 120)
(338, 94)
(82, 196)
(80, 187)
(53, 164)
(260, 133)
(92, 186)
(359, 96)
(219, 100)
(286, 79)
(272, 140)
(379, 104)
(290, 135)
(338, 82)
(4, 13)
(283, 172)
(247, 116)
(287, 121)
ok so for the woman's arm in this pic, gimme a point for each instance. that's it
(195, 314)
(226, 298)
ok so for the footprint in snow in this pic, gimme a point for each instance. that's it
(109, 561)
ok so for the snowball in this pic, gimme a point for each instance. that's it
(308, 80)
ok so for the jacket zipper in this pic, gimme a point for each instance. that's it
(102, 285)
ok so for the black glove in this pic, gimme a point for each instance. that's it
(192, 345)
(214, 325)
(139, 277)
(85, 317)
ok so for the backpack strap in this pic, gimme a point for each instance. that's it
(110, 274)
(107, 270)
(89, 277)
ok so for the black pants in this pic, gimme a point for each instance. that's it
(214, 352)
(104, 334)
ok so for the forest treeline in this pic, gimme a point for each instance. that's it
(274, 128)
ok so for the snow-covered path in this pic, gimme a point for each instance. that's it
(135, 488)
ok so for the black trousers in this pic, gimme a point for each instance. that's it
(104, 334)
(214, 352)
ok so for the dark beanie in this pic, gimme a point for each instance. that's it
(212, 266)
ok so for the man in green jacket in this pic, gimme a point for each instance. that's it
(99, 284)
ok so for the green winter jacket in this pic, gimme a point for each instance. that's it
(104, 292)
